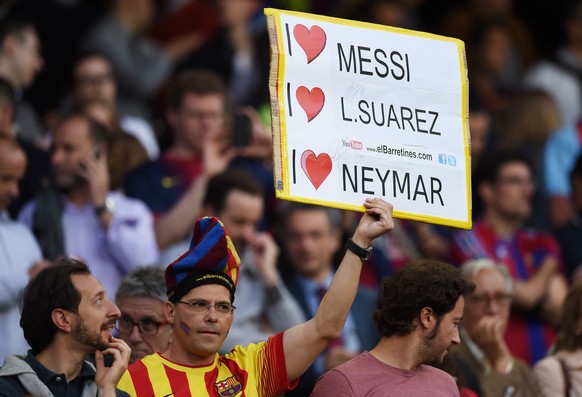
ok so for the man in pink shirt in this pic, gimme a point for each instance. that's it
(418, 314)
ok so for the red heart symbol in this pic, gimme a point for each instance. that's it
(311, 101)
(317, 168)
(311, 40)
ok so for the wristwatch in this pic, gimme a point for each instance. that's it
(107, 207)
(363, 253)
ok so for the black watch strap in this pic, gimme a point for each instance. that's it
(363, 253)
(108, 206)
(100, 210)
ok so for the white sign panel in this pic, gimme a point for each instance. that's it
(365, 110)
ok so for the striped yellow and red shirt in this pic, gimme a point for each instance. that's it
(252, 371)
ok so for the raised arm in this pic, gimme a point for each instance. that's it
(175, 224)
(304, 342)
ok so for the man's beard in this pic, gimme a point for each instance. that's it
(65, 185)
(430, 352)
(82, 334)
(517, 215)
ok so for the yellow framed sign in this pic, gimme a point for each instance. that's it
(363, 110)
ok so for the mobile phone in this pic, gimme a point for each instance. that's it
(241, 130)
(96, 153)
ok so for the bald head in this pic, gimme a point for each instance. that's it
(12, 167)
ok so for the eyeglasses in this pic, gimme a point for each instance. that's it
(203, 307)
(97, 79)
(146, 326)
(481, 300)
(517, 181)
(211, 116)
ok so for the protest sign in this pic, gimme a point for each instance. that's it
(363, 110)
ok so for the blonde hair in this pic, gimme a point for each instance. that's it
(570, 336)
(531, 118)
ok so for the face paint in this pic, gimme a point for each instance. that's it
(184, 327)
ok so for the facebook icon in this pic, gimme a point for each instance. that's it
(442, 158)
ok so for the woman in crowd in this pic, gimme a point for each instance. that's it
(561, 373)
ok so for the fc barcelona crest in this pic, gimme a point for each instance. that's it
(228, 387)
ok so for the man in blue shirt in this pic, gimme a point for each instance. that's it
(20, 255)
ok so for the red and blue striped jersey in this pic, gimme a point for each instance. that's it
(252, 371)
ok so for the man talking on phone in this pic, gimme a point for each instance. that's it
(80, 216)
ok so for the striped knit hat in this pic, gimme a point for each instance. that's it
(211, 259)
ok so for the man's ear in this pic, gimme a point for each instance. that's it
(169, 312)
(10, 44)
(427, 318)
(171, 117)
(337, 239)
(486, 192)
(62, 319)
(6, 116)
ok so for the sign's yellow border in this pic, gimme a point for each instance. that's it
(283, 192)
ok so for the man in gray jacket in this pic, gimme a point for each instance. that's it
(65, 317)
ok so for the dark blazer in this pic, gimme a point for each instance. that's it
(362, 312)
